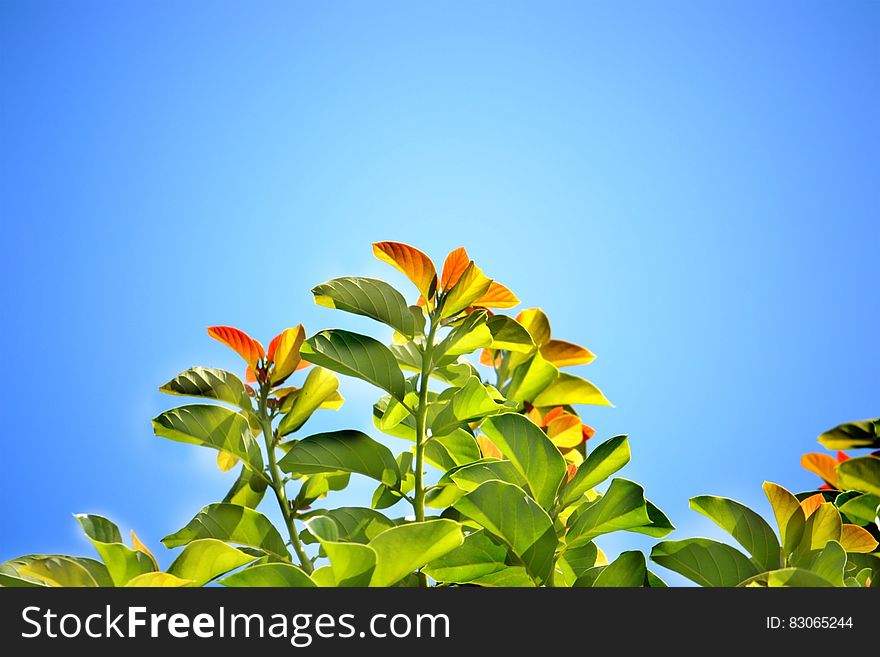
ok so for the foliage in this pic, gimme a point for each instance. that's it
(814, 546)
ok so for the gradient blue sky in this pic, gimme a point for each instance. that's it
(687, 188)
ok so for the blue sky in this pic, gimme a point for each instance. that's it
(689, 189)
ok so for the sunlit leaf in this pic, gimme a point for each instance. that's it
(856, 539)
(704, 561)
(212, 426)
(138, 545)
(567, 390)
(414, 264)
(356, 355)
(853, 435)
(476, 557)
(748, 528)
(240, 342)
(248, 489)
(508, 513)
(790, 516)
(537, 324)
(530, 452)
(823, 465)
(453, 267)
(497, 296)
(509, 334)
(206, 559)
(403, 549)
(269, 574)
(210, 383)
(284, 353)
(347, 451)
(319, 387)
(601, 463)
(233, 524)
(371, 298)
(356, 524)
(531, 378)
(562, 353)
(472, 285)
(861, 474)
(158, 580)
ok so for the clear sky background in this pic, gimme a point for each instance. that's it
(689, 189)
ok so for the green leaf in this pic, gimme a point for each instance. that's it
(510, 335)
(476, 557)
(469, 402)
(470, 334)
(704, 561)
(248, 489)
(452, 450)
(574, 562)
(371, 298)
(58, 571)
(233, 524)
(748, 528)
(316, 486)
(621, 507)
(658, 527)
(269, 574)
(853, 435)
(98, 528)
(212, 426)
(531, 378)
(829, 563)
(790, 516)
(356, 524)
(531, 452)
(351, 564)
(629, 570)
(861, 474)
(122, 562)
(822, 525)
(158, 580)
(206, 559)
(568, 390)
(507, 512)
(319, 386)
(346, 451)
(356, 355)
(403, 549)
(509, 577)
(384, 496)
(408, 356)
(210, 383)
(471, 285)
(601, 463)
(469, 476)
(787, 577)
(862, 509)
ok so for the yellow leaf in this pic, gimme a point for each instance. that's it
(497, 296)
(453, 267)
(333, 402)
(565, 431)
(601, 558)
(226, 461)
(573, 456)
(536, 324)
(823, 525)
(790, 517)
(562, 353)
(414, 264)
(821, 464)
(284, 352)
(471, 286)
(856, 539)
(140, 547)
(812, 503)
(161, 580)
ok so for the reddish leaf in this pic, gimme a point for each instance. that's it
(453, 267)
(413, 263)
(239, 341)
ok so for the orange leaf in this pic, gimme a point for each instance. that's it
(573, 456)
(241, 342)
(822, 465)
(488, 448)
(284, 352)
(552, 415)
(497, 296)
(250, 375)
(812, 503)
(570, 471)
(534, 415)
(536, 324)
(842, 456)
(413, 263)
(856, 539)
(487, 359)
(453, 267)
(587, 431)
(565, 431)
(562, 353)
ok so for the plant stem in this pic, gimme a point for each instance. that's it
(421, 432)
(277, 482)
